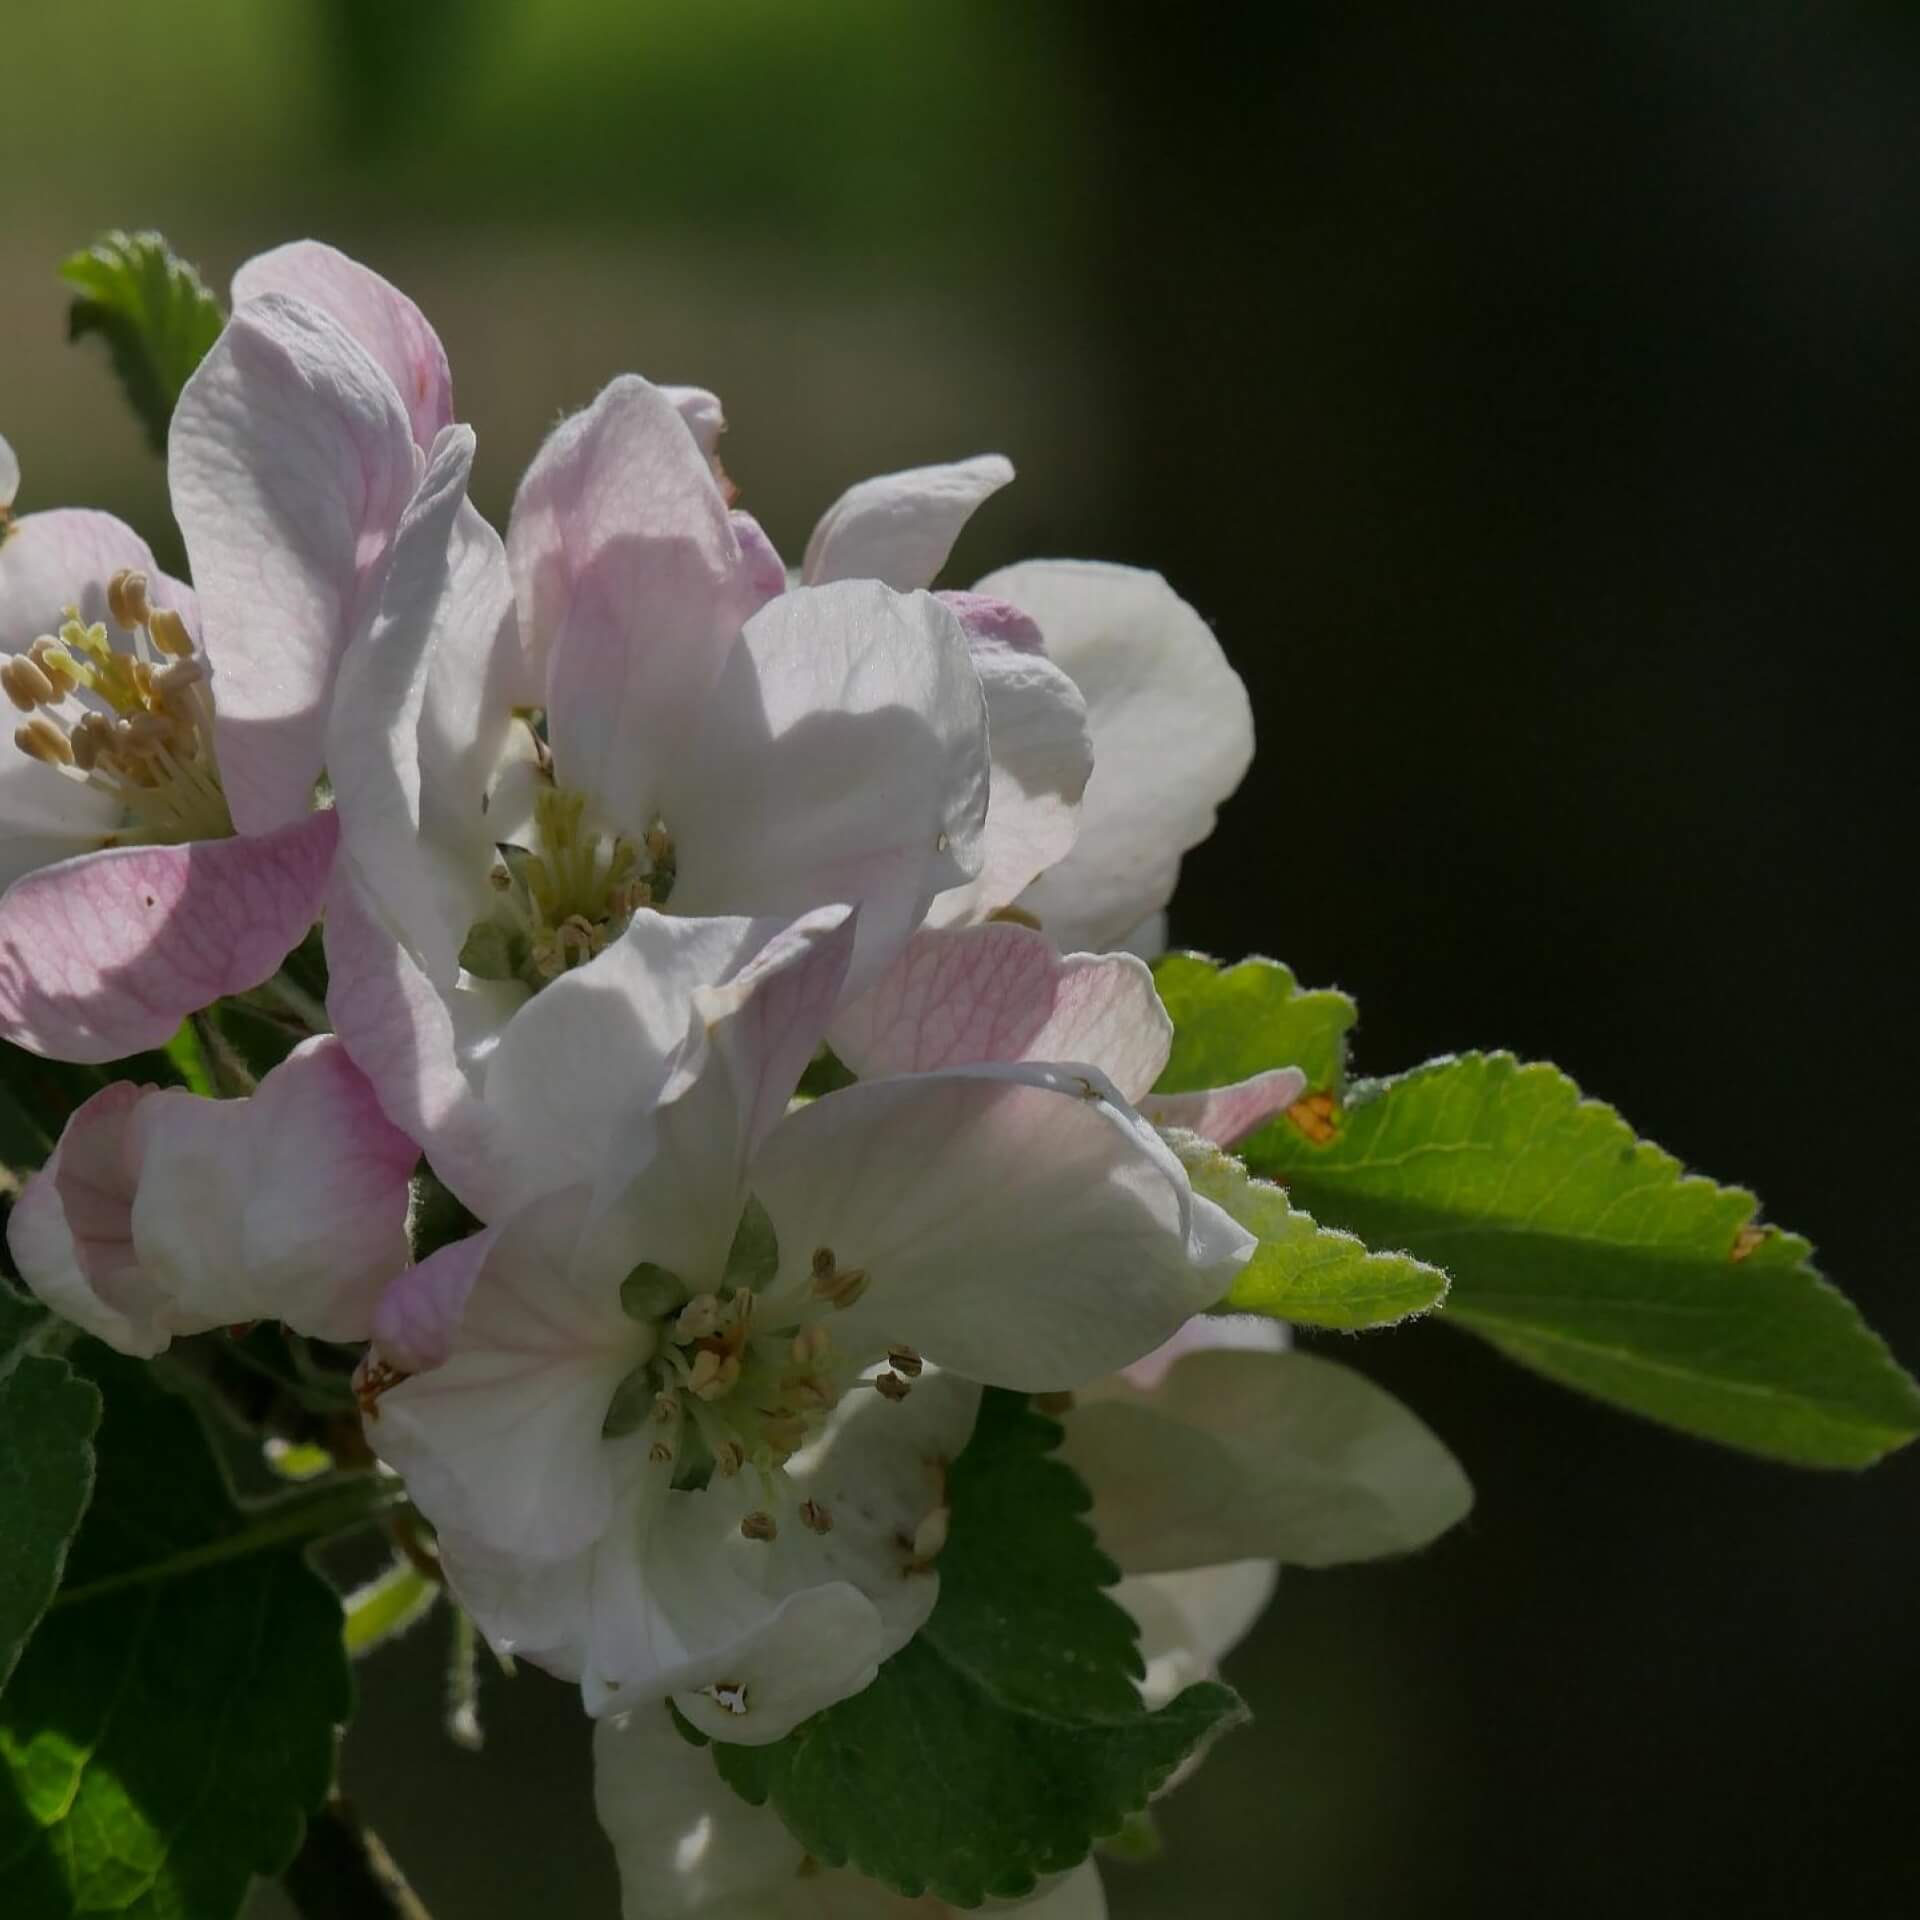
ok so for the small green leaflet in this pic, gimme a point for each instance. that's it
(47, 1418)
(1303, 1271)
(1588, 1255)
(156, 317)
(165, 1733)
(1007, 1737)
(1231, 1023)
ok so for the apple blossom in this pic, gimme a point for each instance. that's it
(697, 747)
(158, 839)
(681, 1426)
(163, 1213)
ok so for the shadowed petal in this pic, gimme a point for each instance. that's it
(899, 527)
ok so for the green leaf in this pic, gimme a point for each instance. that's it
(189, 1061)
(1007, 1737)
(156, 317)
(754, 1257)
(1231, 1023)
(1301, 1270)
(174, 1717)
(47, 1419)
(1591, 1257)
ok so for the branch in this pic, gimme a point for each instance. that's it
(343, 1872)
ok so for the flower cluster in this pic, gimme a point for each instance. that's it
(753, 951)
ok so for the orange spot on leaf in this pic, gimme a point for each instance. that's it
(1316, 1116)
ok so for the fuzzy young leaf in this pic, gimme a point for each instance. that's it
(47, 1419)
(1591, 1257)
(153, 311)
(173, 1718)
(1007, 1737)
(1301, 1270)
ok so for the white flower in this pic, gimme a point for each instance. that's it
(703, 750)
(682, 1429)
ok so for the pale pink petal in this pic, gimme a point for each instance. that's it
(290, 459)
(900, 527)
(1019, 1225)
(632, 588)
(403, 1034)
(418, 1317)
(702, 414)
(288, 1205)
(1226, 1114)
(64, 558)
(422, 713)
(394, 332)
(1042, 758)
(1172, 736)
(1001, 992)
(765, 569)
(71, 1230)
(844, 758)
(106, 954)
(47, 816)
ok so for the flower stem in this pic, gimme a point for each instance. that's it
(344, 1872)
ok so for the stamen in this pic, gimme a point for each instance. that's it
(41, 740)
(759, 1525)
(891, 1387)
(815, 1518)
(905, 1360)
(169, 634)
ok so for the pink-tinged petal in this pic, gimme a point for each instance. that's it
(1172, 736)
(502, 1439)
(1042, 759)
(422, 713)
(52, 561)
(290, 460)
(403, 1034)
(288, 1205)
(632, 589)
(1295, 1458)
(45, 816)
(1019, 1225)
(394, 332)
(899, 528)
(1001, 993)
(844, 758)
(1226, 1114)
(71, 1230)
(418, 1317)
(765, 569)
(702, 415)
(106, 954)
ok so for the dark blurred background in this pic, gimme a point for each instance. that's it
(1527, 394)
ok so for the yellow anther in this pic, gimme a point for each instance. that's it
(699, 1318)
(18, 687)
(127, 599)
(728, 1458)
(41, 740)
(168, 632)
(811, 1345)
(714, 1375)
(784, 1432)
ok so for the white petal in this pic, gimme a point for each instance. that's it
(900, 527)
(290, 460)
(1244, 1455)
(844, 758)
(1042, 758)
(44, 816)
(395, 333)
(1021, 1225)
(1189, 1622)
(9, 475)
(502, 1440)
(632, 586)
(1001, 993)
(421, 717)
(1172, 736)
(1227, 1114)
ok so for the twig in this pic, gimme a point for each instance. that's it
(343, 1872)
